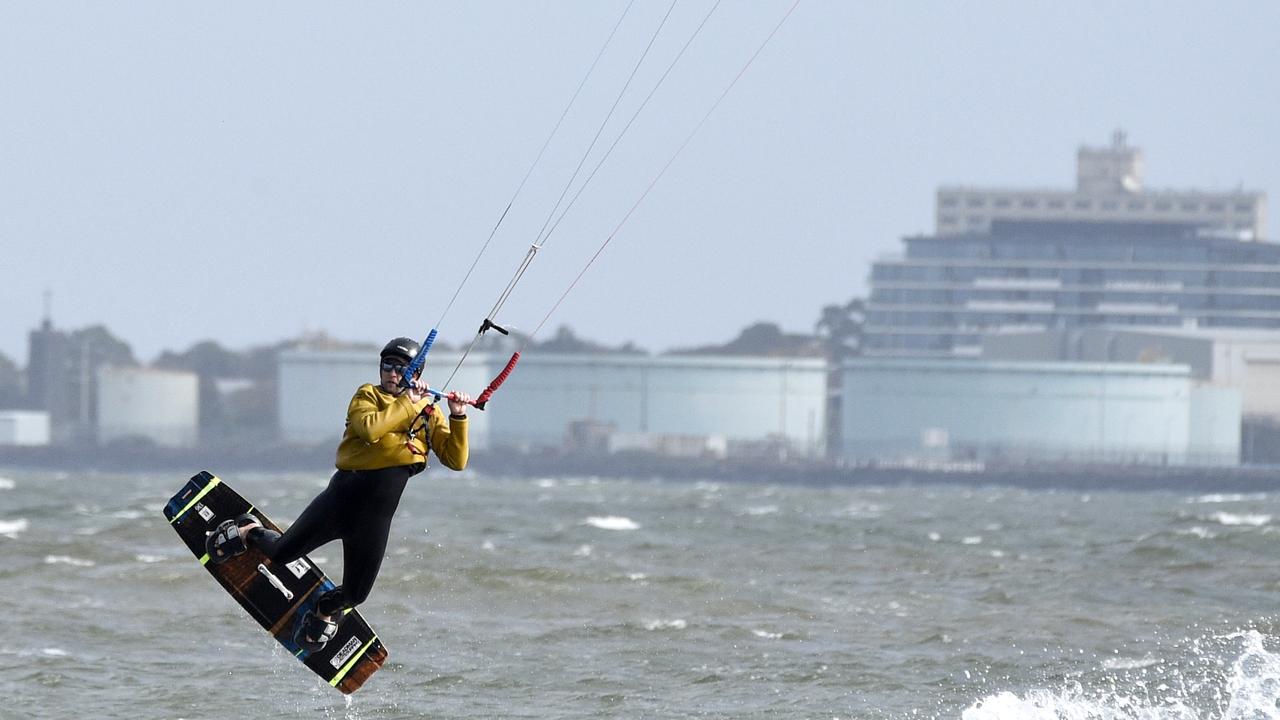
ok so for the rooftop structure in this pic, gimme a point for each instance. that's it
(1109, 188)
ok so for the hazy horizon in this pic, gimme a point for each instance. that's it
(248, 173)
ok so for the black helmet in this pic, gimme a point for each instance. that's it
(401, 347)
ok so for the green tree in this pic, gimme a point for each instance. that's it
(840, 329)
(102, 348)
(763, 339)
(206, 358)
(566, 342)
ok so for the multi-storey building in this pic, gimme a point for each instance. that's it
(1015, 268)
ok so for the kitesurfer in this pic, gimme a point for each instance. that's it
(391, 428)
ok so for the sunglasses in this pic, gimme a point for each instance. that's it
(392, 367)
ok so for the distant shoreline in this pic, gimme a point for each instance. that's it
(554, 463)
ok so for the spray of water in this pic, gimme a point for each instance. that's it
(1226, 677)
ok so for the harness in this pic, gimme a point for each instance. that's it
(421, 423)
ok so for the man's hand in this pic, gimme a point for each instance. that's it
(418, 390)
(458, 403)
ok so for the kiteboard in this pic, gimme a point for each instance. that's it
(275, 595)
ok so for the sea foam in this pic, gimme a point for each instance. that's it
(11, 528)
(1226, 518)
(1046, 705)
(1249, 690)
(1227, 497)
(612, 522)
(67, 560)
(676, 624)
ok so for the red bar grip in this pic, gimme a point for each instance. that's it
(497, 382)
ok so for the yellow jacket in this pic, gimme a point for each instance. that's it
(377, 433)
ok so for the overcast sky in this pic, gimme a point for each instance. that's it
(247, 172)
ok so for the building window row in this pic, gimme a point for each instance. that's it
(952, 318)
(1086, 276)
(1075, 298)
(1137, 205)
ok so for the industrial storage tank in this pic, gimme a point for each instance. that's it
(24, 427)
(737, 400)
(137, 403)
(1078, 412)
(731, 404)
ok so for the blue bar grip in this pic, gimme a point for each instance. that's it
(416, 363)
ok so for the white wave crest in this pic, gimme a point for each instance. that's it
(612, 522)
(7, 484)
(68, 560)
(1068, 705)
(1226, 497)
(1226, 518)
(1129, 663)
(11, 528)
(676, 624)
(861, 511)
(1251, 687)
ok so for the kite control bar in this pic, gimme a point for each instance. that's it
(415, 365)
(483, 398)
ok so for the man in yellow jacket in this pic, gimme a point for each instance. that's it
(390, 432)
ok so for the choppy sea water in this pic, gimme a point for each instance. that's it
(581, 598)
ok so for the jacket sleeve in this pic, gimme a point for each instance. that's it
(369, 423)
(449, 440)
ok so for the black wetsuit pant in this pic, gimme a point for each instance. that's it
(355, 508)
